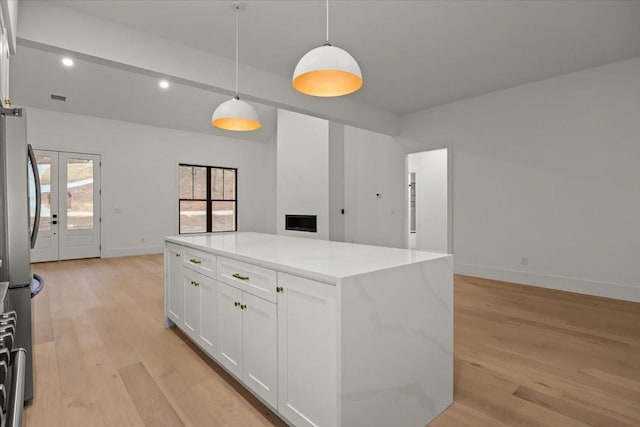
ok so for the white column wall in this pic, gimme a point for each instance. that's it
(303, 171)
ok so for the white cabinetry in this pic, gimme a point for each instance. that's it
(260, 347)
(191, 296)
(190, 285)
(207, 337)
(230, 329)
(175, 291)
(200, 306)
(325, 333)
(247, 344)
(307, 351)
(9, 21)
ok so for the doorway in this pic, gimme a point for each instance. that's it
(430, 219)
(70, 220)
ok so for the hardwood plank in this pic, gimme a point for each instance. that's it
(41, 317)
(573, 410)
(116, 404)
(79, 397)
(151, 403)
(46, 388)
(524, 356)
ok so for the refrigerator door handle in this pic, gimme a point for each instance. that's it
(36, 179)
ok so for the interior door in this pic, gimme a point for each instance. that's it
(46, 248)
(79, 203)
(70, 221)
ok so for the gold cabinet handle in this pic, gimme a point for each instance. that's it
(240, 277)
(279, 289)
(195, 261)
(243, 306)
(236, 304)
(178, 255)
(194, 283)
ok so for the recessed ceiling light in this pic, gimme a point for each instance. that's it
(164, 84)
(67, 62)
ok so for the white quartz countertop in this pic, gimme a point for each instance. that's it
(317, 259)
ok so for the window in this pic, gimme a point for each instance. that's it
(207, 199)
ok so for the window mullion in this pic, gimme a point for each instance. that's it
(209, 204)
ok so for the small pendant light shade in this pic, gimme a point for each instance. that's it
(327, 71)
(235, 114)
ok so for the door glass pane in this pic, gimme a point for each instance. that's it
(193, 217)
(224, 216)
(44, 170)
(217, 183)
(193, 182)
(79, 194)
(229, 184)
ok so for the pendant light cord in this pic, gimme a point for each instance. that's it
(327, 21)
(237, 10)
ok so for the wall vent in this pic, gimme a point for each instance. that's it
(58, 98)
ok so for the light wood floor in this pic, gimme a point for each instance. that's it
(523, 356)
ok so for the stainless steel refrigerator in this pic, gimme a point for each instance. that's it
(18, 228)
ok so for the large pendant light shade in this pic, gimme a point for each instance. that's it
(235, 114)
(327, 71)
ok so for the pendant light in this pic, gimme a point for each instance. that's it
(235, 114)
(327, 71)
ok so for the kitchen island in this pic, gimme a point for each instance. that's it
(325, 333)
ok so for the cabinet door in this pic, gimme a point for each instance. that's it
(208, 319)
(191, 286)
(259, 347)
(307, 359)
(230, 328)
(173, 282)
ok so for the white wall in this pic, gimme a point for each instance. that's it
(548, 172)
(375, 163)
(430, 168)
(336, 182)
(139, 174)
(303, 171)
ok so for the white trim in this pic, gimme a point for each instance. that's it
(138, 250)
(571, 284)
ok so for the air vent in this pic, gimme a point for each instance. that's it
(58, 98)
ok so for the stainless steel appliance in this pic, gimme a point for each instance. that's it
(17, 232)
(12, 367)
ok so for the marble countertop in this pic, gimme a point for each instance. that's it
(316, 259)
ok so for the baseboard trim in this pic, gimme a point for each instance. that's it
(581, 286)
(141, 250)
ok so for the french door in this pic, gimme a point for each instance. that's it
(70, 221)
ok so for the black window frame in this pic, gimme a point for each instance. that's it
(209, 201)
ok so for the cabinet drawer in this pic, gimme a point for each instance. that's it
(255, 280)
(199, 261)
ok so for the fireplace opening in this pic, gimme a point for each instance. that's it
(301, 223)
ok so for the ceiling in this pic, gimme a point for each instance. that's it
(414, 54)
(103, 91)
